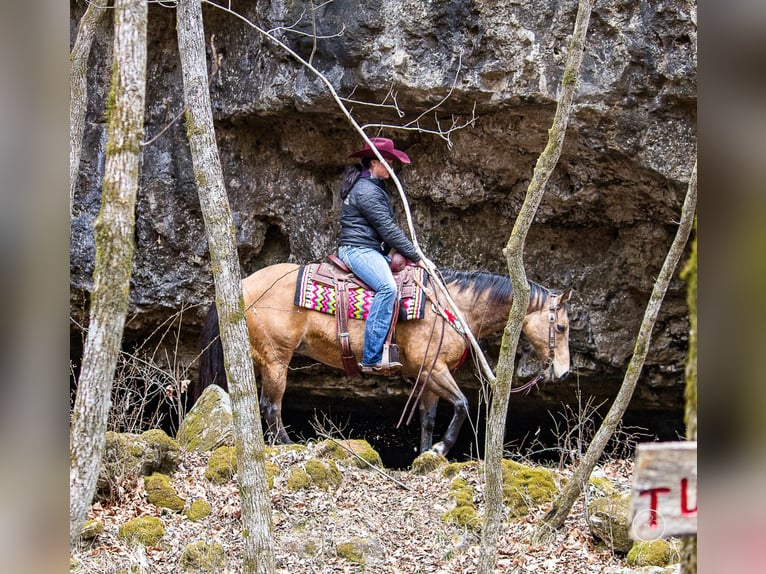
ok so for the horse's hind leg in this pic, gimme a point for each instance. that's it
(274, 379)
(428, 403)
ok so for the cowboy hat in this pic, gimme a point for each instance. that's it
(386, 148)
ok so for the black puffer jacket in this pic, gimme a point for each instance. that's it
(367, 220)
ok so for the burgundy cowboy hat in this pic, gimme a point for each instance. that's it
(386, 148)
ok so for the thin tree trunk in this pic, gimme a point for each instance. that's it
(514, 252)
(689, 543)
(555, 517)
(114, 257)
(219, 227)
(78, 86)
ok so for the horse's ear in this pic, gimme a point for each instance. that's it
(566, 295)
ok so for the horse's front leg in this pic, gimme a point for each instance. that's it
(442, 383)
(428, 403)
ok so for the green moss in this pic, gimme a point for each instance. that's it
(339, 450)
(525, 486)
(202, 557)
(298, 479)
(323, 474)
(91, 529)
(427, 462)
(209, 424)
(198, 509)
(222, 465)
(160, 492)
(454, 468)
(144, 530)
(603, 485)
(351, 551)
(464, 516)
(649, 553)
(462, 497)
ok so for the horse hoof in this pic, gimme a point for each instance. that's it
(439, 448)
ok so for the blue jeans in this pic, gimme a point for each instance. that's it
(372, 267)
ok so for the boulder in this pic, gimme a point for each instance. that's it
(209, 424)
(127, 456)
(608, 519)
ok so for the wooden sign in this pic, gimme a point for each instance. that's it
(663, 500)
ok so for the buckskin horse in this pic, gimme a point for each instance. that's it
(428, 347)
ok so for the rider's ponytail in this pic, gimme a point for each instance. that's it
(351, 175)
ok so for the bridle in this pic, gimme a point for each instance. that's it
(553, 312)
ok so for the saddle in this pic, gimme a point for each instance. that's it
(335, 273)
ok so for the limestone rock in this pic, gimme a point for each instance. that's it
(128, 456)
(608, 519)
(201, 557)
(209, 424)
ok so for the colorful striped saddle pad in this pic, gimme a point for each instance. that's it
(315, 290)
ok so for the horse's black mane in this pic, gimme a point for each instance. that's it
(498, 287)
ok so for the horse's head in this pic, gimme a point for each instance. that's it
(548, 330)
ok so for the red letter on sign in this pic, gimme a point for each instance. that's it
(685, 510)
(653, 493)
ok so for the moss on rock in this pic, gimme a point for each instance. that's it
(608, 519)
(427, 462)
(319, 473)
(454, 468)
(339, 450)
(526, 486)
(198, 509)
(160, 492)
(144, 530)
(464, 516)
(323, 474)
(649, 553)
(351, 551)
(298, 479)
(602, 485)
(210, 423)
(91, 529)
(222, 465)
(201, 557)
(128, 456)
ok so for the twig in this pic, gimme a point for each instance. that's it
(372, 466)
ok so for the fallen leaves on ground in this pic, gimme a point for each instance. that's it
(403, 529)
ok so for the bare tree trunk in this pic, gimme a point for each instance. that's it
(114, 257)
(555, 517)
(514, 252)
(219, 227)
(78, 86)
(689, 543)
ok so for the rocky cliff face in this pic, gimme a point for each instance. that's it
(604, 225)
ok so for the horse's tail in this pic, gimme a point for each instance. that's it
(211, 366)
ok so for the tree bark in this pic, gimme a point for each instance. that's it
(78, 87)
(514, 252)
(555, 517)
(689, 543)
(258, 551)
(114, 257)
